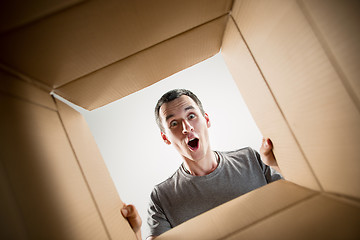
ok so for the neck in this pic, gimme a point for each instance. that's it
(203, 167)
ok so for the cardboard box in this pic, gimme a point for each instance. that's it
(280, 210)
(295, 63)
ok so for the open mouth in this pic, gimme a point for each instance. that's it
(193, 144)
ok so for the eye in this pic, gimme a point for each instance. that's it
(173, 124)
(191, 116)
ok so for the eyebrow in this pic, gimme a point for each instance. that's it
(189, 107)
(186, 109)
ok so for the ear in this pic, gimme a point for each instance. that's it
(164, 137)
(206, 116)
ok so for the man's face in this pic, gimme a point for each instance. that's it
(186, 128)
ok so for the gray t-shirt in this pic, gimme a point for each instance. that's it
(184, 196)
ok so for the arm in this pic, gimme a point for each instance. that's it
(267, 155)
(133, 217)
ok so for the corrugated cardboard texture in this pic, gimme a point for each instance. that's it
(145, 68)
(319, 217)
(280, 210)
(295, 62)
(44, 185)
(92, 35)
(242, 212)
(336, 24)
(15, 14)
(95, 172)
(12, 86)
(11, 222)
(311, 94)
(264, 109)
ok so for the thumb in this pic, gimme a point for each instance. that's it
(266, 146)
(124, 211)
(268, 143)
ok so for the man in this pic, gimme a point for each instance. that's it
(206, 178)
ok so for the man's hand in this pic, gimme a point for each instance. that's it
(133, 217)
(267, 155)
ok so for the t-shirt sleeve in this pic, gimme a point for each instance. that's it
(270, 174)
(156, 220)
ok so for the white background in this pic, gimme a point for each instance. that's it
(129, 139)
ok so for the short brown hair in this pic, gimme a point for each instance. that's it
(172, 95)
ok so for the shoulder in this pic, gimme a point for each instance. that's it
(246, 153)
(244, 158)
(166, 184)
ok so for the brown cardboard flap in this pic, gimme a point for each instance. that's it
(26, 91)
(95, 172)
(145, 68)
(320, 217)
(13, 14)
(91, 35)
(265, 110)
(11, 222)
(45, 180)
(241, 212)
(336, 24)
(308, 89)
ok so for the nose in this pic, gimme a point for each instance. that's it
(187, 127)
